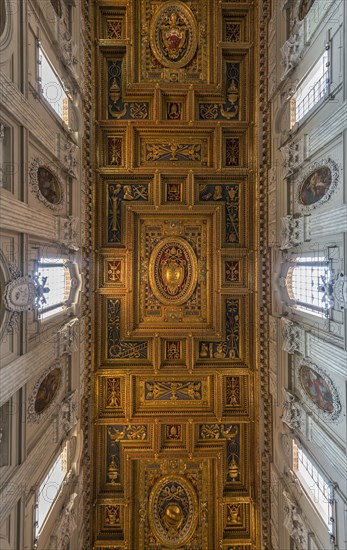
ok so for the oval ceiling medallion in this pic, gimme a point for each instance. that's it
(315, 185)
(47, 390)
(173, 271)
(173, 511)
(173, 34)
(319, 391)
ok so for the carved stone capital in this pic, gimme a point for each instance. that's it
(291, 52)
(293, 337)
(293, 156)
(294, 522)
(293, 231)
(66, 232)
(65, 525)
(68, 413)
(69, 157)
(291, 411)
(67, 340)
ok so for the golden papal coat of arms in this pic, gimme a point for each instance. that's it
(174, 34)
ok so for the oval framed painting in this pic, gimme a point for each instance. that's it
(46, 184)
(317, 184)
(45, 392)
(319, 391)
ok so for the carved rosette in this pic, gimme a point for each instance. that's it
(173, 34)
(46, 184)
(173, 510)
(173, 271)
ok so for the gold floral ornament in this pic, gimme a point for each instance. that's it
(173, 34)
(173, 271)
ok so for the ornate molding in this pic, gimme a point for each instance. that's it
(291, 411)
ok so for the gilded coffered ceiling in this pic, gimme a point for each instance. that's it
(175, 408)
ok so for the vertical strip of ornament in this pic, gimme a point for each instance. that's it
(87, 159)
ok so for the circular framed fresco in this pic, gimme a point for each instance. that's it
(173, 271)
(45, 392)
(46, 184)
(173, 510)
(173, 34)
(319, 391)
(304, 8)
(317, 184)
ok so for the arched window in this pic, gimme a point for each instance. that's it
(55, 284)
(305, 281)
(318, 489)
(49, 489)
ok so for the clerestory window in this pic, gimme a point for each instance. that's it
(319, 491)
(312, 88)
(55, 283)
(49, 489)
(305, 282)
(52, 89)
